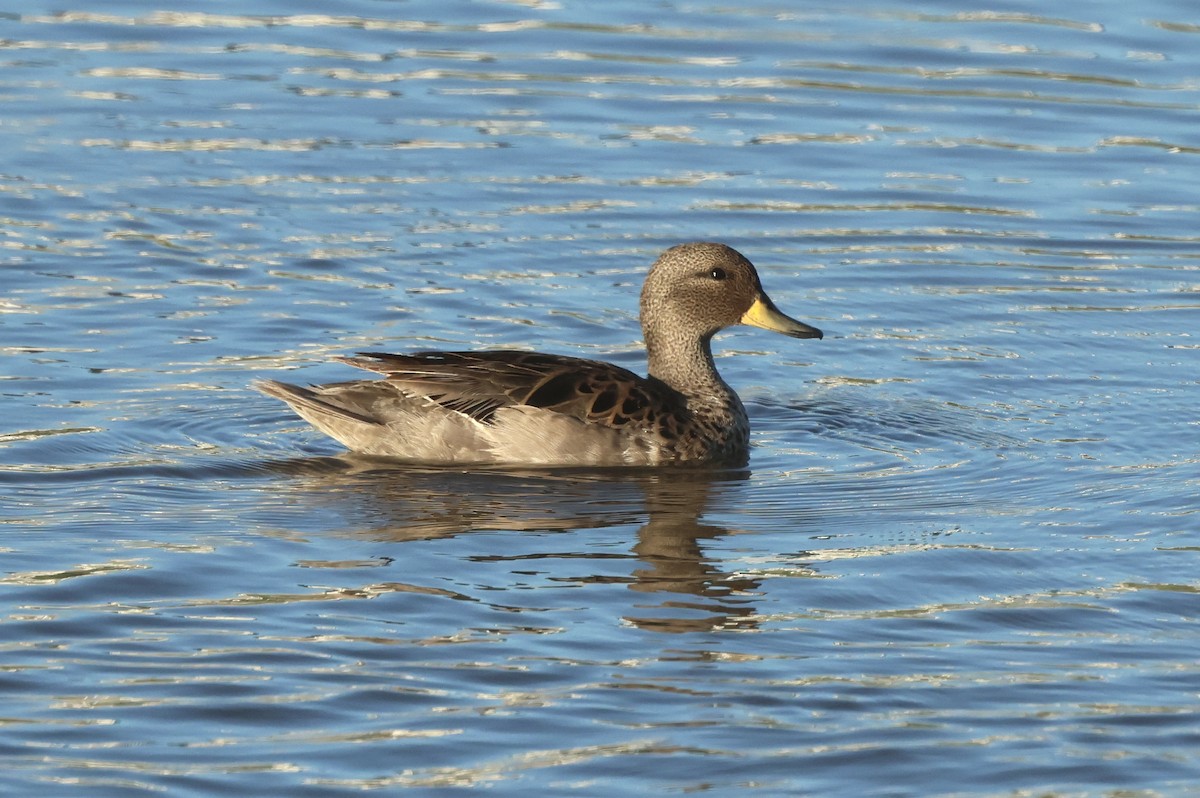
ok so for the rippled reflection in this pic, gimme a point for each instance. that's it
(404, 503)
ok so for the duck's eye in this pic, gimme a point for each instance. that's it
(717, 274)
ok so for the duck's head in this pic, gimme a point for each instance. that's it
(696, 290)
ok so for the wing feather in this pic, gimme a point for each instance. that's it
(478, 384)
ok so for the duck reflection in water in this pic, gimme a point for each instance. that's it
(405, 503)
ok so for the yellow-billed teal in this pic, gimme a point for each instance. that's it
(527, 408)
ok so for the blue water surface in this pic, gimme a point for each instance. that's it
(963, 560)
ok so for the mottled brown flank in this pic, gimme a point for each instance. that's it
(603, 404)
(480, 383)
(554, 390)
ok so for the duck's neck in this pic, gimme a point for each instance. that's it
(686, 364)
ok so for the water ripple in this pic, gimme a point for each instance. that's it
(963, 553)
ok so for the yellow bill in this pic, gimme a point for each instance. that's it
(763, 313)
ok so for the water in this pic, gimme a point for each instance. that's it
(963, 559)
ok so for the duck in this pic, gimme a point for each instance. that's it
(521, 408)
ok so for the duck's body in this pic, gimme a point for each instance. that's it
(537, 409)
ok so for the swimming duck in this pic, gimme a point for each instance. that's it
(528, 408)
